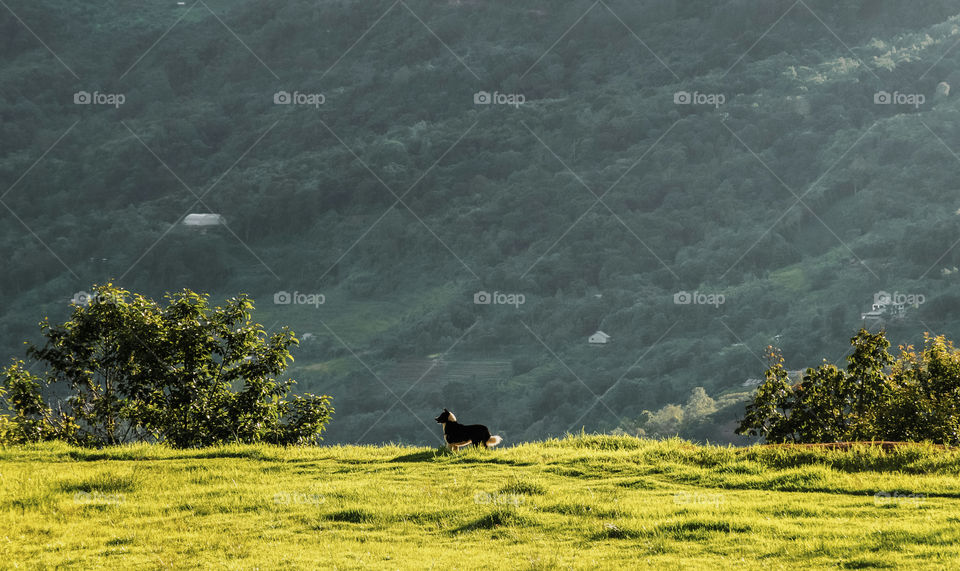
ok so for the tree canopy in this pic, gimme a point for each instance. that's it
(177, 371)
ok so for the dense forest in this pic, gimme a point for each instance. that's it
(698, 180)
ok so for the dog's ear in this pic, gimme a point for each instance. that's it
(445, 410)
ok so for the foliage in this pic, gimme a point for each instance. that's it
(689, 205)
(180, 372)
(913, 398)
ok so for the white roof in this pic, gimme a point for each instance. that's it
(601, 334)
(203, 220)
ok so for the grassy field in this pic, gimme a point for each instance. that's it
(582, 502)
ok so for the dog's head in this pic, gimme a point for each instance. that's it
(446, 416)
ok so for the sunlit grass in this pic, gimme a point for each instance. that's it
(581, 502)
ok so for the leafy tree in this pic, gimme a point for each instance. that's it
(182, 372)
(915, 397)
(769, 413)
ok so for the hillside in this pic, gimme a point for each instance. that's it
(578, 503)
(785, 194)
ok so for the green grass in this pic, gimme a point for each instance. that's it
(582, 502)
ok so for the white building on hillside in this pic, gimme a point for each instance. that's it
(204, 220)
(599, 338)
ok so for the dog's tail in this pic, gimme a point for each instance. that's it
(493, 441)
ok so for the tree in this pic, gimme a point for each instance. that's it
(180, 372)
(915, 397)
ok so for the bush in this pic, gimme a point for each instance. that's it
(182, 372)
(913, 398)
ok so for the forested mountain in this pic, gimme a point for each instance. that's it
(697, 179)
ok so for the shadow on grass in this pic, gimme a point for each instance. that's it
(495, 519)
(422, 456)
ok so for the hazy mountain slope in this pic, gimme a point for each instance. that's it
(696, 198)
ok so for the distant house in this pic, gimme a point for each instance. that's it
(598, 338)
(883, 311)
(204, 220)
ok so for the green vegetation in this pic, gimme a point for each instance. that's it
(913, 398)
(583, 502)
(180, 372)
(704, 196)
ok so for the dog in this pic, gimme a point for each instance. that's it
(458, 435)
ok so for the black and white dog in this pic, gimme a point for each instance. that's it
(458, 435)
